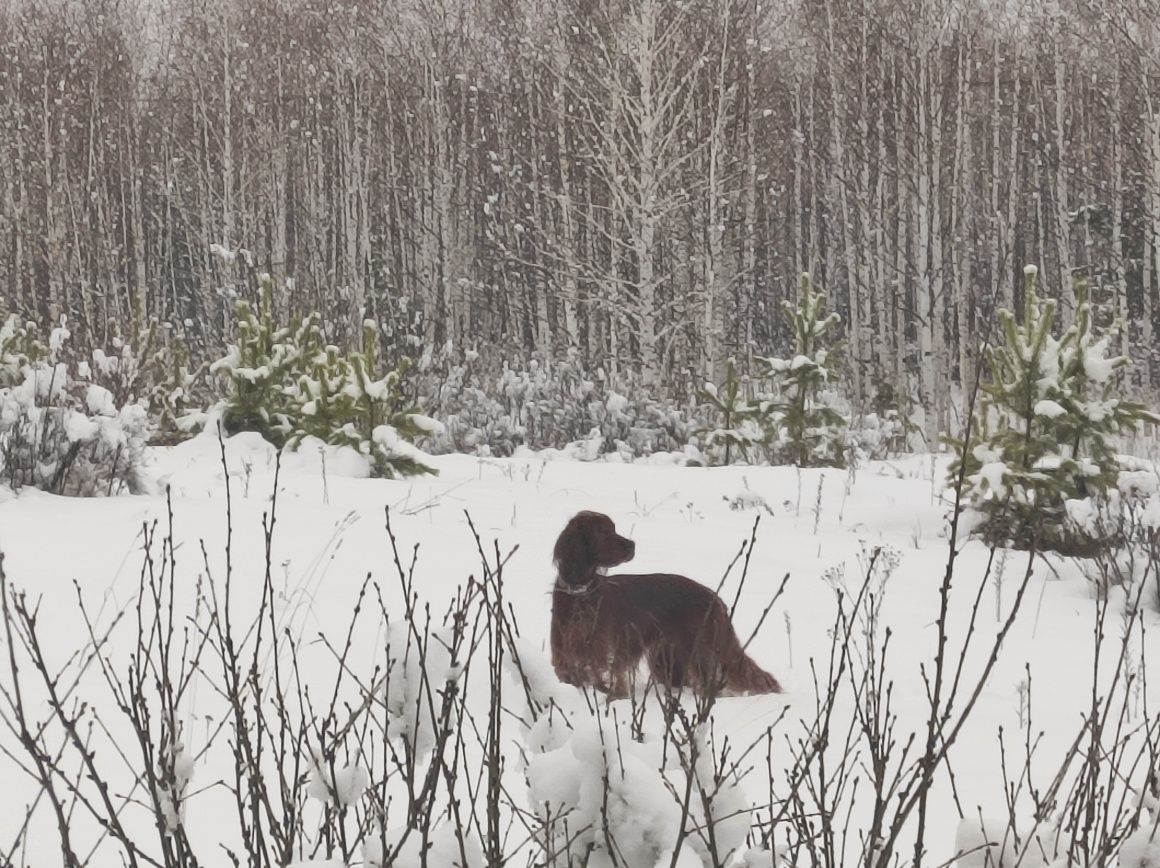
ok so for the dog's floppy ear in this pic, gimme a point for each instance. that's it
(573, 552)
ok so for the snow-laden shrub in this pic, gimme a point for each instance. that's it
(150, 364)
(20, 345)
(62, 428)
(1141, 849)
(446, 846)
(338, 785)
(147, 363)
(262, 367)
(343, 400)
(287, 383)
(172, 786)
(1041, 435)
(606, 795)
(986, 842)
(493, 405)
(888, 427)
(1126, 519)
(417, 670)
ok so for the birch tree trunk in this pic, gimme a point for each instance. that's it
(1119, 289)
(1061, 197)
(904, 239)
(644, 240)
(715, 282)
(749, 191)
(570, 296)
(839, 186)
(940, 375)
(922, 221)
(1152, 253)
(960, 215)
(1013, 186)
(53, 281)
(800, 263)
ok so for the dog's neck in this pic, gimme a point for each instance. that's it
(579, 589)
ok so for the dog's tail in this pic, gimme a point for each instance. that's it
(745, 676)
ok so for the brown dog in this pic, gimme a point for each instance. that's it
(603, 626)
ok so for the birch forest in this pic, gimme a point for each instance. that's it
(636, 183)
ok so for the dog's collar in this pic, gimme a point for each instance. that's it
(578, 590)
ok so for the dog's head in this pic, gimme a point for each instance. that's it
(589, 542)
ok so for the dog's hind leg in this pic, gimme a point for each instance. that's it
(669, 665)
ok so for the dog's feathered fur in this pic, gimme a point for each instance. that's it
(603, 626)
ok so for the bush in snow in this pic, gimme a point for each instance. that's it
(288, 383)
(807, 432)
(1141, 849)
(637, 790)
(20, 345)
(495, 405)
(150, 364)
(1127, 519)
(1041, 435)
(986, 842)
(62, 427)
(888, 426)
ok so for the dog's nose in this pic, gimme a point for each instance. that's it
(631, 548)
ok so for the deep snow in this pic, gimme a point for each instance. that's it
(815, 524)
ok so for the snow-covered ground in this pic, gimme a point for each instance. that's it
(817, 525)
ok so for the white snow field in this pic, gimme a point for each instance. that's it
(819, 526)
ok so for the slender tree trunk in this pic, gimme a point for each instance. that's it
(749, 276)
(800, 261)
(1013, 189)
(570, 296)
(904, 240)
(543, 326)
(1061, 196)
(941, 373)
(839, 197)
(1152, 252)
(883, 274)
(962, 226)
(645, 236)
(1119, 287)
(714, 290)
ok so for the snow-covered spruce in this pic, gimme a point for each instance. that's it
(289, 384)
(1041, 437)
(738, 429)
(796, 423)
(808, 430)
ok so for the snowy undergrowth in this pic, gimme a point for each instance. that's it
(308, 680)
(62, 428)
